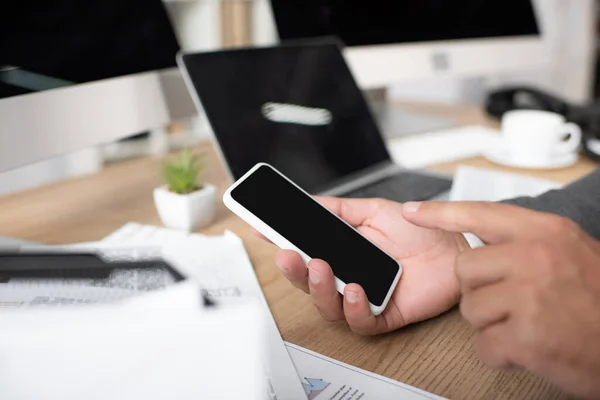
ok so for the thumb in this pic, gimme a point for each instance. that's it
(491, 222)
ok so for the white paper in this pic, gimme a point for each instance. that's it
(120, 285)
(221, 265)
(31, 296)
(324, 378)
(121, 353)
(186, 295)
(479, 184)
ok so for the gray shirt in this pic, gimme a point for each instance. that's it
(579, 201)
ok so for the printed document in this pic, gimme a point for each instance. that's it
(324, 378)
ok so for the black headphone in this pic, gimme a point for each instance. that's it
(529, 98)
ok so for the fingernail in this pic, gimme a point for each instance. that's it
(314, 276)
(411, 207)
(352, 297)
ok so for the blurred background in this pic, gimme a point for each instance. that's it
(570, 30)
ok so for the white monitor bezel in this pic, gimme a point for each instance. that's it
(42, 125)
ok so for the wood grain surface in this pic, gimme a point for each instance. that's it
(436, 355)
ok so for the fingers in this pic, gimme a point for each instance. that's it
(321, 283)
(356, 212)
(485, 266)
(495, 348)
(318, 280)
(487, 306)
(358, 313)
(293, 268)
(491, 222)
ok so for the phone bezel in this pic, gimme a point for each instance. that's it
(285, 244)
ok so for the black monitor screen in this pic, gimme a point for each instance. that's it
(361, 22)
(297, 108)
(46, 44)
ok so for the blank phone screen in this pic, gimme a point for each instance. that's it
(317, 232)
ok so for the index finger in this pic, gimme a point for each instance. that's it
(491, 222)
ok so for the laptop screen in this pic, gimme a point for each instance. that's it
(296, 107)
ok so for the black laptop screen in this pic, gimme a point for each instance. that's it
(297, 108)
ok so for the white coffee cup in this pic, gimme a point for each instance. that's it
(538, 137)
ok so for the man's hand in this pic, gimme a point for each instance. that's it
(533, 293)
(427, 287)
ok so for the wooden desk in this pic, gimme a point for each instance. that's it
(436, 355)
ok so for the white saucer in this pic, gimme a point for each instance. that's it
(500, 155)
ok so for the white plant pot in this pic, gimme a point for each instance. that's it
(186, 212)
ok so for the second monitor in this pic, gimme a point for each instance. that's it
(391, 42)
(395, 41)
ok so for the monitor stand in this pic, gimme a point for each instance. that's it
(395, 122)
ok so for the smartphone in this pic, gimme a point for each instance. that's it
(288, 216)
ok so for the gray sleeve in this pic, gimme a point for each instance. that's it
(579, 201)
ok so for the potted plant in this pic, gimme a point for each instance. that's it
(183, 203)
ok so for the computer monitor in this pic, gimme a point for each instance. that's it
(76, 74)
(390, 42)
(395, 41)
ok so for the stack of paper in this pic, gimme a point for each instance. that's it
(135, 351)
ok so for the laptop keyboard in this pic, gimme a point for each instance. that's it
(404, 186)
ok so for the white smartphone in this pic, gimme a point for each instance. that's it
(289, 217)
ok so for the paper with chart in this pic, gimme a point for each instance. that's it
(221, 265)
(324, 378)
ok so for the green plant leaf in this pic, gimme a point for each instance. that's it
(182, 171)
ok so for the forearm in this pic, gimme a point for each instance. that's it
(579, 201)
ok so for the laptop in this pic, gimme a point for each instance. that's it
(298, 108)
